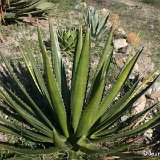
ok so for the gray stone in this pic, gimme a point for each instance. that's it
(156, 86)
(139, 105)
(120, 59)
(121, 31)
(120, 43)
(124, 118)
(148, 133)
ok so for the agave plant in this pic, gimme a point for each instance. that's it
(14, 9)
(97, 23)
(67, 39)
(73, 119)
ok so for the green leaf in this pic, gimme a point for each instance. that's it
(20, 102)
(128, 103)
(53, 89)
(131, 121)
(18, 131)
(104, 60)
(65, 91)
(127, 125)
(90, 111)
(8, 130)
(77, 54)
(50, 150)
(80, 81)
(121, 148)
(106, 132)
(95, 98)
(117, 86)
(102, 25)
(67, 34)
(55, 54)
(94, 20)
(86, 146)
(110, 119)
(106, 50)
(150, 124)
(25, 115)
(30, 7)
(108, 114)
(113, 109)
(136, 156)
(72, 38)
(30, 69)
(125, 151)
(60, 141)
(37, 73)
(24, 91)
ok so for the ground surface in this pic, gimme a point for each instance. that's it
(135, 17)
(140, 18)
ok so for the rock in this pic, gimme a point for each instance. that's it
(149, 91)
(103, 12)
(119, 62)
(120, 43)
(120, 59)
(156, 96)
(144, 65)
(133, 76)
(3, 137)
(109, 25)
(156, 92)
(124, 118)
(156, 86)
(136, 67)
(93, 45)
(155, 111)
(120, 33)
(129, 48)
(148, 133)
(123, 50)
(108, 87)
(139, 105)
